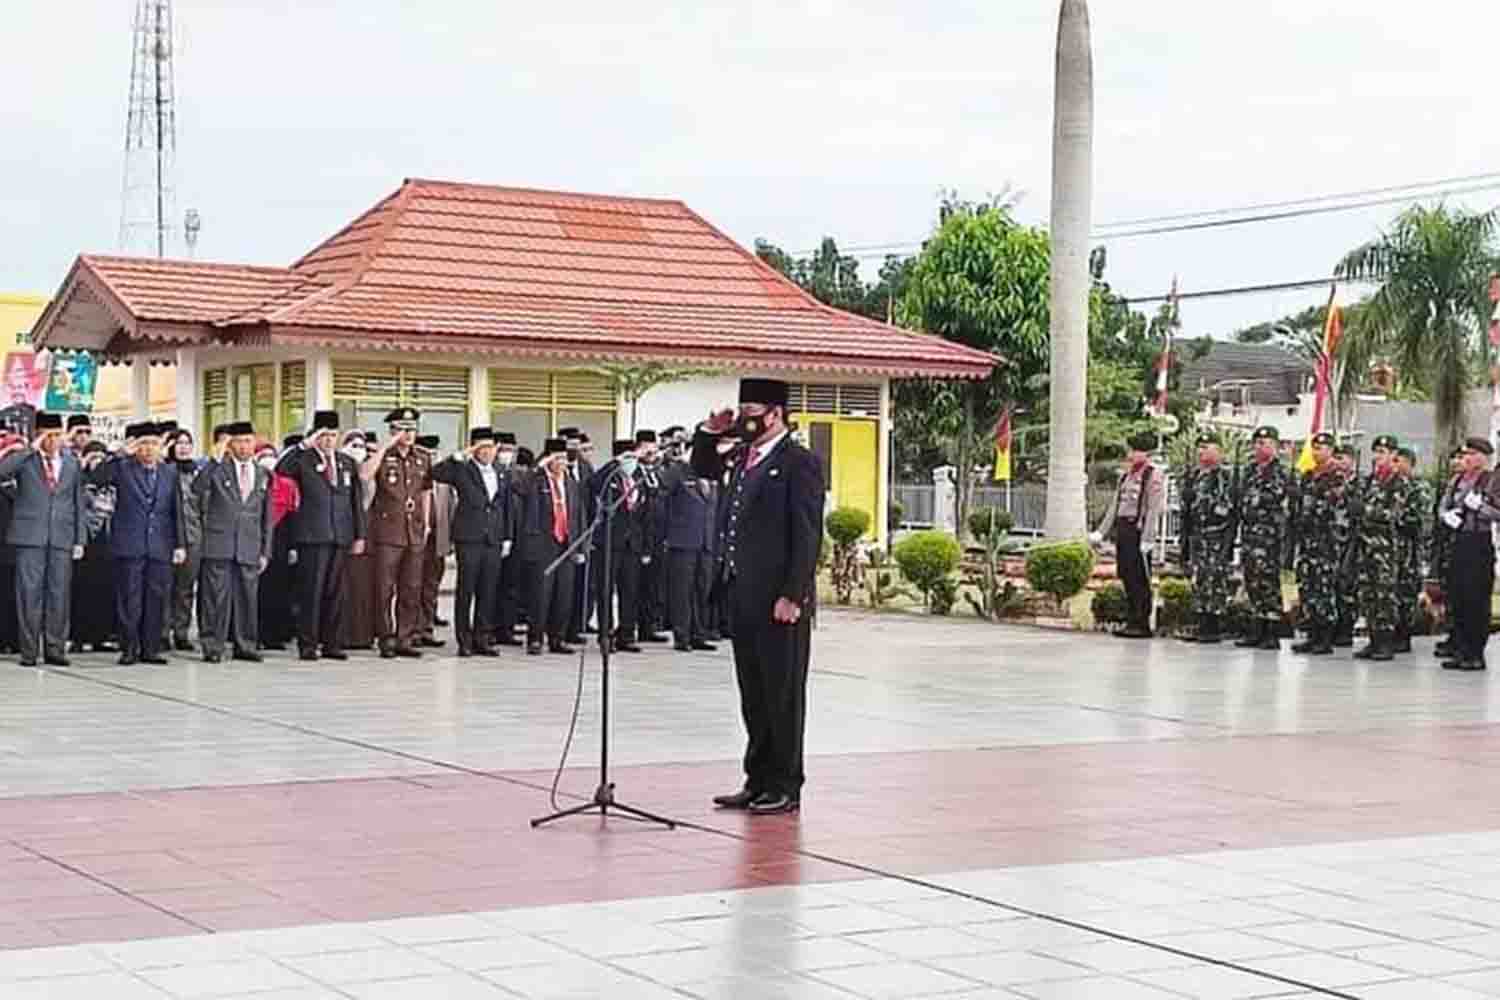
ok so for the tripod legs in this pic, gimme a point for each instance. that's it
(604, 803)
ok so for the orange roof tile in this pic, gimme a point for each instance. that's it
(439, 265)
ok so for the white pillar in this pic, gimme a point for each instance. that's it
(189, 410)
(883, 462)
(140, 387)
(321, 382)
(944, 500)
(479, 397)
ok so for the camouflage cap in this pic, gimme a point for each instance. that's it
(1407, 453)
(1386, 441)
(1206, 438)
(1346, 450)
(1323, 439)
(1264, 432)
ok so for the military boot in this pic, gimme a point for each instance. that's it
(1401, 640)
(1343, 633)
(1252, 637)
(1384, 641)
(1268, 637)
(1310, 644)
(1208, 630)
(1367, 652)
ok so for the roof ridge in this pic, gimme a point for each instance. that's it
(439, 183)
(183, 262)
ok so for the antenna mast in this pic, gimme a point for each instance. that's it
(147, 212)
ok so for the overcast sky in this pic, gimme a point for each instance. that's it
(780, 120)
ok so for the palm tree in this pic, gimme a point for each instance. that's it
(1432, 306)
(1072, 201)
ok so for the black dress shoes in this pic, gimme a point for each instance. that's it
(308, 654)
(703, 646)
(335, 654)
(127, 659)
(512, 641)
(533, 649)
(626, 646)
(429, 642)
(388, 653)
(213, 657)
(28, 661)
(155, 660)
(773, 803)
(738, 800)
(652, 637)
(560, 647)
(56, 660)
(486, 650)
(182, 645)
(408, 652)
(249, 656)
(683, 647)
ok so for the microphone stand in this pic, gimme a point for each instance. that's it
(604, 800)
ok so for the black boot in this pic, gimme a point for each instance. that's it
(1208, 630)
(1268, 637)
(1401, 640)
(1310, 644)
(1384, 641)
(1367, 651)
(1324, 639)
(1252, 637)
(1343, 633)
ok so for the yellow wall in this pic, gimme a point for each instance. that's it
(854, 464)
(19, 313)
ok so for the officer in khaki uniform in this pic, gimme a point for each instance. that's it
(400, 478)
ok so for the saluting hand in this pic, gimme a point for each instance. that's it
(719, 422)
(179, 556)
(77, 552)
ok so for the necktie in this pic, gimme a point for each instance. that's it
(329, 469)
(49, 472)
(752, 459)
(559, 512)
(246, 481)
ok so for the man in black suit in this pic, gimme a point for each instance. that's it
(552, 518)
(508, 597)
(653, 591)
(581, 470)
(330, 526)
(146, 539)
(234, 513)
(616, 488)
(48, 529)
(772, 533)
(482, 537)
(692, 525)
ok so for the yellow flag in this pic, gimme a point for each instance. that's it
(1305, 461)
(1002, 465)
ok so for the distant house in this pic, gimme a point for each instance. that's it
(1248, 385)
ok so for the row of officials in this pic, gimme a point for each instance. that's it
(338, 540)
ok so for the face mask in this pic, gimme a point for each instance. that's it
(504, 457)
(268, 463)
(747, 427)
(628, 464)
(356, 452)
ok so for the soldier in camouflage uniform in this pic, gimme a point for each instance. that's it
(1442, 548)
(1381, 509)
(1348, 581)
(1209, 507)
(1266, 493)
(1322, 529)
(1411, 538)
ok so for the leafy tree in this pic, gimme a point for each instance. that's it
(634, 381)
(1433, 266)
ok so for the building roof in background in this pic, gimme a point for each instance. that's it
(1275, 375)
(466, 267)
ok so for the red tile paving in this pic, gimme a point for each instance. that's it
(445, 266)
(118, 866)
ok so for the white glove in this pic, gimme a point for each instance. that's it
(580, 559)
(645, 560)
(458, 456)
(291, 557)
(1473, 501)
(1454, 519)
(505, 547)
(1096, 538)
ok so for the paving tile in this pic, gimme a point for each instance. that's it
(1093, 988)
(1423, 959)
(894, 980)
(1007, 968)
(340, 967)
(1324, 969)
(40, 963)
(221, 979)
(106, 986)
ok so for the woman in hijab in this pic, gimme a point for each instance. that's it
(360, 618)
(278, 583)
(93, 596)
(177, 623)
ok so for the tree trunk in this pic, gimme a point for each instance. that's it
(1072, 202)
(964, 485)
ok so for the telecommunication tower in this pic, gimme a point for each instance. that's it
(147, 212)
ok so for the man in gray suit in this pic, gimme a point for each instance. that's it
(233, 496)
(48, 532)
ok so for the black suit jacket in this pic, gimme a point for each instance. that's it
(780, 522)
(231, 528)
(627, 526)
(692, 515)
(478, 519)
(536, 514)
(330, 513)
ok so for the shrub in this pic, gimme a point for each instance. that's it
(880, 583)
(846, 526)
(927, 557)
(1061, 569)
(1109, 606)
(943, 596)
(987, 519)
(1176, 605)
(997, 597)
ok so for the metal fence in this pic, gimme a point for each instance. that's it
(1027, 504)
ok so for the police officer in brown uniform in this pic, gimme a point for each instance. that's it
(400, 478)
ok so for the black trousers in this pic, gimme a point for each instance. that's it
(551, 596)
(323, 571)
(1471, 581)
(1134, 567)
(474, 604)
(625, 569)
(508, 596)
(10, 637)
(228, 605)
(578, 617)
(652, 603)
(688, 572)
(770, 665)
(142, 589)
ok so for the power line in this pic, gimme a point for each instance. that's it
(1218, 293)
(1265, 213)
